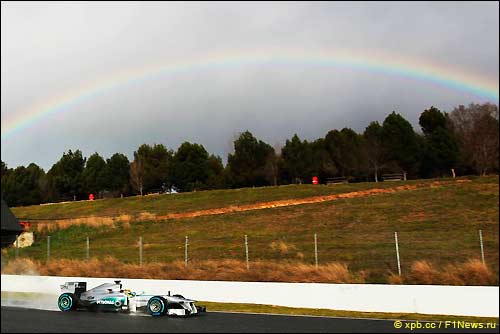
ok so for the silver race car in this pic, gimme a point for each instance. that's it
(112, 297)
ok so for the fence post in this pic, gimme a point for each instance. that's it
(397, 252)
(482, 248)
(140, 251)
(17, 245)
(48, 247)
(87, 252)
(316, 249)
(186, 244)
(246, 251)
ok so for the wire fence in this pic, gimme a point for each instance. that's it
(396, 252)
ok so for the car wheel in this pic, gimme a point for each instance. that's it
(157, 306)
(67, 302)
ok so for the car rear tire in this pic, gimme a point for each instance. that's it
(67, 302)
(157, 306)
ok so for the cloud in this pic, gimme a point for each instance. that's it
(48, 49)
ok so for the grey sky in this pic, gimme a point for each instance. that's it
(51, 48)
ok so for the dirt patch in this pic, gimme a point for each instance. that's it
(414, 217)
(146, 216)
(287, 202)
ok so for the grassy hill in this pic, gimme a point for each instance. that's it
(436, 220)
(183, 202)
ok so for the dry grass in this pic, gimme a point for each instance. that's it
(92, 221)
(281, 247)
(423, 272)
(472, 272)
(224, 270)
(124, 218)
(145, 216)
(62, 224)
(24, 266)
(395, 279)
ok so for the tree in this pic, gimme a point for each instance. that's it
(246, 167)
(271, 168)
(5, 169)
(373, 150)
(431, 120)
(401, 143)
(344, 147)
(297, 158)
(116, 173)
(67, 175)
(47, 188)
(137, 175)
(476, 127)
(190, 167)
(216, 173)
(93, 175)
(322, 164)
(440, 149)
(4, 174)
(21, 186)
(156, 164)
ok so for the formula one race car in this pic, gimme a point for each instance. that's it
(112, 297)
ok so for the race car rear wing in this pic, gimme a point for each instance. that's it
(74, 287)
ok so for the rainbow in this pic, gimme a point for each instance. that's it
(373, 61)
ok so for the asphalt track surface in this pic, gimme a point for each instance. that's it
(31, 320)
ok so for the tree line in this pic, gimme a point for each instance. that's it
(465, 139)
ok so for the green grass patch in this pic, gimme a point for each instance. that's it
(272, 309)
(439, 224)
(193, 201)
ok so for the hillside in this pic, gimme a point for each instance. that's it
(436, 220)
(185, 202)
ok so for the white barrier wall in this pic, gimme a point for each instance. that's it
(427, 299)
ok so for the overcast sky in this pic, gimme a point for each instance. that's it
(50, 49)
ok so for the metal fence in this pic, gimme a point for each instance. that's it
(396, 253)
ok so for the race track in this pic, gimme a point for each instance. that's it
(32, 320)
